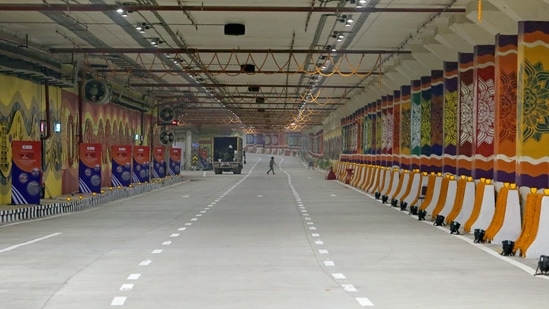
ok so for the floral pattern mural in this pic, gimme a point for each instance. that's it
(486, 110)
(536, 102)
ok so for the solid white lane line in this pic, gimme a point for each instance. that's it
(134, 276)
(118, 301)
(364, 302)
(29, 242)
(126, 287)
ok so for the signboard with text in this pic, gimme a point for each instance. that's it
(89, 170)
(141, 162)
(159, 164)
(121, 165)
(174, 167)
(26, 182)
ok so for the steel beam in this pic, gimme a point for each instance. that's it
(201, 8)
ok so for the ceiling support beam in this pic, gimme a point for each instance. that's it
(229, 8)
(239, 85)
(233, 72)
(159, 50)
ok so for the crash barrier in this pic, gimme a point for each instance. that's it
(432, 194)
(39, 211)
(466, 204)
(483, 208)
(537, 237)
(506, 222)
(532, 242)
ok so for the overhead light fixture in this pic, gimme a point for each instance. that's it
(122, 12)
(339, 36)
(142, 27)
(156, 41)
(349, 21)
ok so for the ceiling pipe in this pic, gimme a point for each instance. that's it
(234, 85)
(201, 8)
(232, 72)
(131, 50)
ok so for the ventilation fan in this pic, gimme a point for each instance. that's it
(96, 91)
(166, 114)
(167, 137)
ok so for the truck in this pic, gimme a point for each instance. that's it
(228, 154)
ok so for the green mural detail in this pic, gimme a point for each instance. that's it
(450, 118)
(425, 123)
(405, 136)
(535, 108)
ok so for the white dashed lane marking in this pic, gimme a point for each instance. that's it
(157, 251)
(126, 287)
(118, 301)
(174, 235)
(145, 263)
(134, 276)
(349, 288)
(166, 243)
(339, 276)
(329, 263)
(364, 302)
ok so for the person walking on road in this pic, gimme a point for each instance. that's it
(271, 166)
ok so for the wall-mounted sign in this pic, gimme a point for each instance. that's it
(89, 171)
(26, 180)
(121, 165)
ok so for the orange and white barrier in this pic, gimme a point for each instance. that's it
(432, 195)
(538, 242)
(506, 223)
(483, 207)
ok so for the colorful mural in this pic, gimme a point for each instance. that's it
(533, 105)
(505, 143)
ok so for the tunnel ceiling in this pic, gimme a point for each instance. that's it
(280, 65)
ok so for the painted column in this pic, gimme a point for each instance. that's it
(386, 134)
(437, 109)
(451, 118)
(425, 131)
(484, 112)
(377, 133)
(396, 130)
(466, 94)
(188, 148)
(505, 142)
(533, 105)
(405, 127)
(416, 124)
(369, 129)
